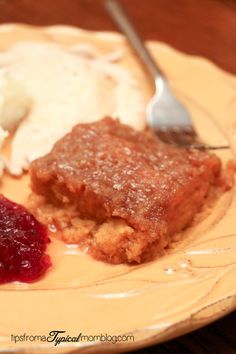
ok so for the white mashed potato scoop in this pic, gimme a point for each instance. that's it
(14, 105)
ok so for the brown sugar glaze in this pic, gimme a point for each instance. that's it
(128, 191)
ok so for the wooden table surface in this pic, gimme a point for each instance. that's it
(200, 27)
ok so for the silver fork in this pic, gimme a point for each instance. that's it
(165, 114)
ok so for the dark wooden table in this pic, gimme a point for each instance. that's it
(202, 27)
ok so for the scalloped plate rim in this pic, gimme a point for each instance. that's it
(182, 325)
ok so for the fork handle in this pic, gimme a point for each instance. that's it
(125, 25)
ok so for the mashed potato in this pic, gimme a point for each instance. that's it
(14, 104)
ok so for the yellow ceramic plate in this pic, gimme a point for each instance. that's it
(191, 286)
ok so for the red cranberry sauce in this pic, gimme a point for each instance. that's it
(23, 241)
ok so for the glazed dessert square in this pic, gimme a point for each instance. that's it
(121, 192)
